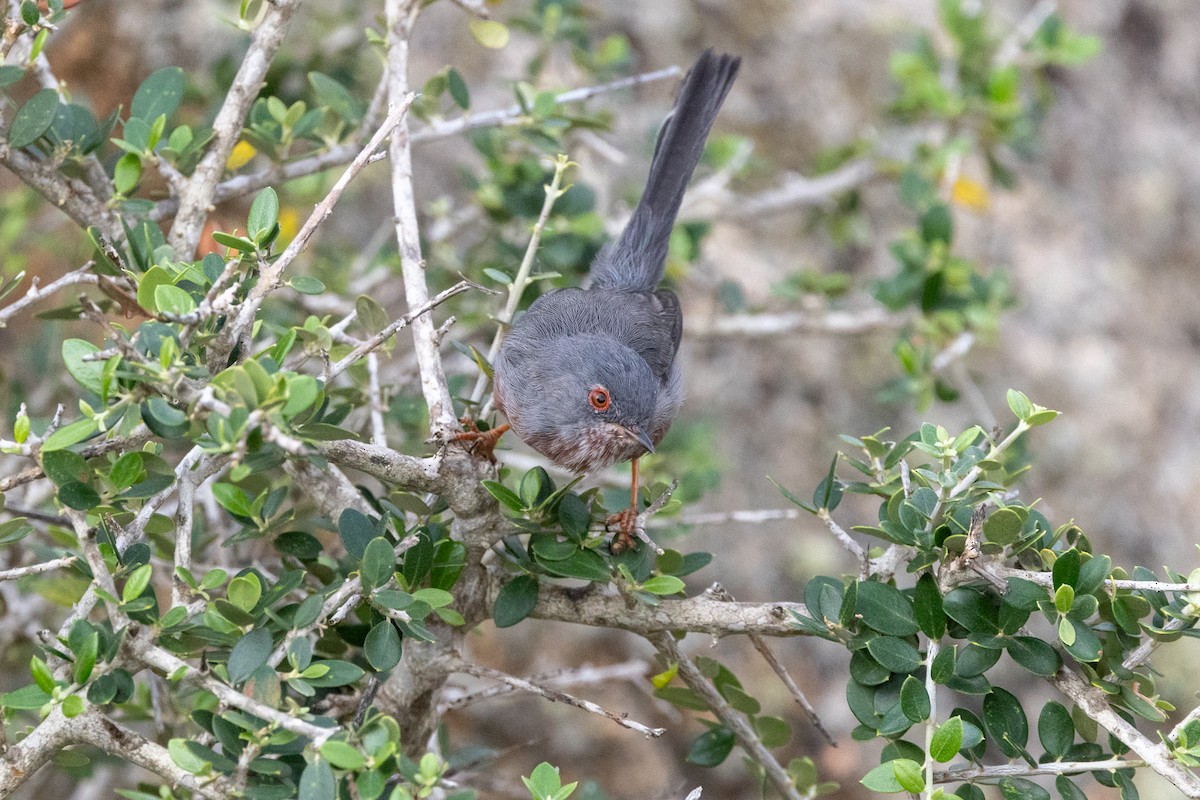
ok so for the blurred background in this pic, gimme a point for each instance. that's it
(1099, 239)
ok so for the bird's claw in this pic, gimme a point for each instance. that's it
(626, 530)
(477, 442)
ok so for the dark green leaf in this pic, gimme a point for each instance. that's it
(78, 496)
(914, 700)
(1034, 655)
(317, 782)
(1022, 789)
(449, 560)
(506, 496)
(883, 608)
(1066, 569)
(264, 215)
(356, 530)
(895, 654)
(340, 673)
(306, 284)
(973, 610)
(584, 564)
(250, 653)
(458, 89)
(159, 94)
(937, 225)
(1068, 790)
(711, 747)
(382, 646)
(515, 601)
(1093, 574)
(378, 563)
(1005, 723)
(573, 516)
(944, 664)
(163, 419)
(927, 607)
(1056, 731)
(64, 466)
(33, 119)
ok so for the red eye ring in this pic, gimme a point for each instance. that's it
(599, 398)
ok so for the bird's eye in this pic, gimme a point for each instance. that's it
(599, 398)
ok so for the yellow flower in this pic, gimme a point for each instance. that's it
(240, 156)
(966, 192)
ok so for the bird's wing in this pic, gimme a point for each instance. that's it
(649, 323)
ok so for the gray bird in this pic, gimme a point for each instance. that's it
(588, 377)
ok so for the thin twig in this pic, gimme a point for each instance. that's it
(76, 277)
(719, 592)
(973, 773)
(835, 322)
(554, 695)
(36, 569)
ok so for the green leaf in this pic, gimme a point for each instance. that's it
(773, 731)
(506, 497)
(927, 607)
(947, 740)
(42, 676)
(164, 419)
(86, 373)
(126, 173)
(909, 775)
(184, 758)
(170, 299)
(1066, 569)
(1034, 655)
(245, 591)
(585, 564)
(72, 706)
(339, 673)
(357, 531)
(64, 466)
(33, 119)
(378, 563)
(1056, 731)
(242, 245)
(1005, 722)
(136, 583)
(1068, 790)
(1022, 789)
(85, 657)
(489, 33)
(263, 216)
(335, 97)
(342, 755)
(882, 779)
(515, 600)
(27, 698)
(159, 94)
(10, 74)
(458, 89)
(937, 224)
(973, 610)
(1003, 527)
(712, 747)
(574, 516)
(126, 471)
(1019, 404)
(317, 781)
(895, 654)
(914, 700)
(306, 284)
(663, 585)
(79, 496)
(1092, 574)
(250, 653)
(883, 608)
(233, 499)
(382, 646)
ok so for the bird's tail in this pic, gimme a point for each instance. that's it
(635, 261)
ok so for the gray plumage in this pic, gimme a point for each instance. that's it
(618, 340)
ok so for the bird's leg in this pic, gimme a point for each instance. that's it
(477, 442)
(625, 521)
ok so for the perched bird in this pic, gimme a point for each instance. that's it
(588, 377)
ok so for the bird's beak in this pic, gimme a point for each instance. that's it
(641, 437)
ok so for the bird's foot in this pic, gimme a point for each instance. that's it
(625, 529)
(477, 442)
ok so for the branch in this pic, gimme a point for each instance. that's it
(1094, 703)
(599, 606)
(829, 321)
(37, 569)
(401, 16)
(71, 196)
(81, 276)
(24, 758)
(794, 191)
(198, 194)
(554, 696)
(973, 773)
(385, 464)
(144, 651)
